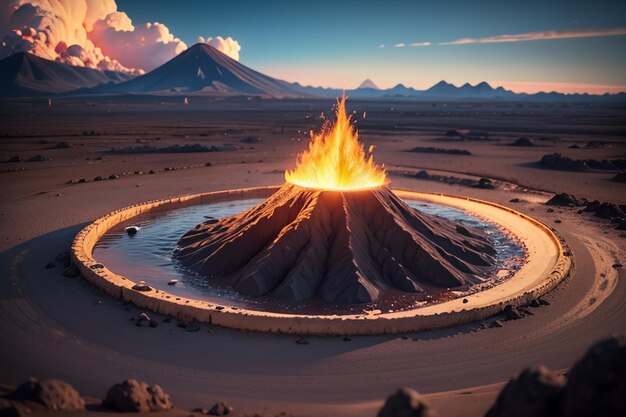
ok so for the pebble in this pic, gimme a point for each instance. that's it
(172, 282)
(302, 341)
(50, 265)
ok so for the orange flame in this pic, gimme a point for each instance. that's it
(336, 160)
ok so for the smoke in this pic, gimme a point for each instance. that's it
(91, 33)
(228, 46)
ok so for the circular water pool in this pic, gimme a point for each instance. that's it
(148, 256)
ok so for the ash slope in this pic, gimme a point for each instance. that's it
(343, 247)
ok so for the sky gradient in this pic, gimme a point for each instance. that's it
(569, 46)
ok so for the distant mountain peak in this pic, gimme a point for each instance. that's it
(368, 84)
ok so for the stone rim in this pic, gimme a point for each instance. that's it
(442, 315)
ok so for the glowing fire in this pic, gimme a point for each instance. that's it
(336, 160)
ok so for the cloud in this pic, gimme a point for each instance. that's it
(540, 36)
(229, 46)
(399, 45)
(90, 33)
(420, 44)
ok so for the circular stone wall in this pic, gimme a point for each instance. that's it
(545, 267)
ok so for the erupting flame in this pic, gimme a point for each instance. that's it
(336, 160)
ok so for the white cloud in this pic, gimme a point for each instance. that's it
(90, 33)
(228, 46)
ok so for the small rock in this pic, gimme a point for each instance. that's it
(220, 409)
(82, 180)
(515, 200)
(406, 402)
(347, 339)
(302, 341)
(563, 200)
(495, 324)
(113, 176)
(557, 221)
(142, 286)
(617, 265)
(172, 282)
(144, 321)
(550, 210)
(465, 301)
(50, 265)
(134, 396)
(64, 258)
(132, 230)
(98, 178)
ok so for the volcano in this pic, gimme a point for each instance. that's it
(336, 232)
(204, 68)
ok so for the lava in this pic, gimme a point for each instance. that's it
(336, 160)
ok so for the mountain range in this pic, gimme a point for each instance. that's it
(204, 69)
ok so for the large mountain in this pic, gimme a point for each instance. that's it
(204, 68)
(25, 74)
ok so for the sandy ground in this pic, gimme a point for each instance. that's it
(53, 326)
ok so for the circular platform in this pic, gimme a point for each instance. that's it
(545, 267)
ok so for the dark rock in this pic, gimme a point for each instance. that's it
(511, 313)
(609, 210)
(62, 145)
(453, 133)
(134, 396)
(619, 177)
(302, 340)
(172, 282)
(142, 286)
(52, 393)
(485, 183)
(430, 149)
(515, 200)
(621, 226)
(220, 409)
(543, 302)
(113, 176)
(14, 159)
(347, 339)
(523, 142)
(193, 326)
(98, 178)
(422, 175)
(406, 402)
(550, 210)
(37, 158)
(534, 393)
(50, 265)
(596, 384)
(82, 180)
(145, 321)
(535, 303)
(132, 230)
(465, 301)
(564, 163)
(592, 206)
(495, 324)
(557, 221)
(251, 139)
(617, 265)
(563, 200)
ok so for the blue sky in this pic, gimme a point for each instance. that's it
(337, 43)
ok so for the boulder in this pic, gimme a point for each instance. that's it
(53, 394)
(406, 402)
(134, 396)
(220, 409)
(609, 210)
(511, 313)
(596, 384)
(523, 141)
(563, 200)
(534, 393)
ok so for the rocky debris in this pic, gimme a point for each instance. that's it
(511, 313)
(596, 384)
(142, 286)
(145, 321)
(132, 230)
(53, 394)
(565, 163)
(592, 206)
(134, 396)
(220, 409)
(406, 402)
(62, 145)
(485, 183)
(609, 211)
(534, 393)
(523, 141)
(430, 149)
(563, 200)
